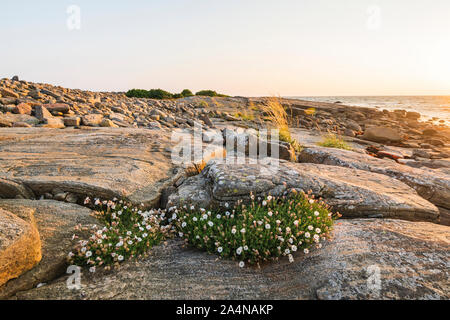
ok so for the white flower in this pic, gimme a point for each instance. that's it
(226, 205)
(128, 233)
(197, 237)
(239, 250)
(307, 235)
(316, 213)
(205, 216)
(148, 227)
(296, 222)
(92, 269)
(267, 226)
(70, 254)
(119, 244)
(243, 230)
(145, 235)
(210, 223)
(192, 207)
(291, 240)
(227, 213)
(278, 222)
(264, 203)
(310, 228)
(269, 198)
(194, 219)
(241, 264)
(88, 254)
(294, 248)
(245, 248)
(183, 224)
(113, 254)
(316, 238)
(202, 210)
(218, 216)
(288, 229)
(97, 202)
(287, 251)
(319, 245)
(120, 258)
(180, 234)
(270, 213)
(311, 201)
(318, 230)
(219, 249)
(174, 216)
(233, 231)
(306, 251)
(83, 250)
(291, 258)
(130, 242)
(99, 241)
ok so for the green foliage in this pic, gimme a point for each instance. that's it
(187, 93)
(128, 232)
(210, 93)
(137, 93)
(333, 141)
(261, 231)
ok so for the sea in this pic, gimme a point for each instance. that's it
(430, 107)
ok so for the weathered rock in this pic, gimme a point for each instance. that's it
(92, 120)
(57, 107)
(108, 123)
(412, 115)
(411, 258)
(21, 125)
(20, 247)
(56, 223)
(72, 121)
(99, 162)
(4, 123)
(13, 118)
(431, 185)
(56, 123)
(8, 93)
(42, 113)
(23, 108)
(381, 134)
(354, 193)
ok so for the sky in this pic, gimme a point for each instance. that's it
(237, 47)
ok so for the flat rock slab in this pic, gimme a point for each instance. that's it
(55, 222)
(106, 163)
(430, 184)
(411, 259)
(20, 246)
(352, 192)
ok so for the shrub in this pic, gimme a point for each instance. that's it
(261, 231)
(333, 141)
(128, 232)
(210, 93)
(187, 93)
(177, 96)
(151, 94)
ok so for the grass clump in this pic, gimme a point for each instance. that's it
(260, 231)
(334, 141)
(128, 232)
(210, 93)
(276, 114)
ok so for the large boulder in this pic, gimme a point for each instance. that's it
(367, 259)
(429, 184)
(20, 247)
(381, 134)
(125, 163)
(352, 192)
(55, 222)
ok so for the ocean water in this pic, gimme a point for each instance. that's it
(428, 106)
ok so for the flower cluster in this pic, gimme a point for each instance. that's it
(262, 230)
(128, 232)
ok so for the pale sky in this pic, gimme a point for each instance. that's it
(238, 47)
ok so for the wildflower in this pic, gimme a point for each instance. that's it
(241, 264)
(205, 216)
(148, 227)
(310, 228)
(316, 238)
(120, 258)
(233, 231)
(119, 244)
(92, 269)
(316, 213)
(296, 223)
(311, 201)
(318, 230)
(287, 251)
(267, 226)
(288, 230)
(113, 254)
(99, 241)
(83, 250)
(226, 205)
(128, 233)
(219, 249)
(210, 223)
(70, 254)
(294, 248)
(270, 213)
(180, 234)
(306, 251)
(264, 203)
(291, 258)
(174, 216)
(88, 254)
(239, 250)
(269, 198)
(218, 216)
(194, 219)
(243, 230)
(307, 235)
(97, 202)
(245, 248)
(227, 213)
(87, 200)
(183, 224)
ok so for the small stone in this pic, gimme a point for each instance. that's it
(21, 125)
(8, 93)
(92, 120)
(22, 108)
(42, 113)
(72, 121)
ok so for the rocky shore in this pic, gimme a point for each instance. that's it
(59, 146)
